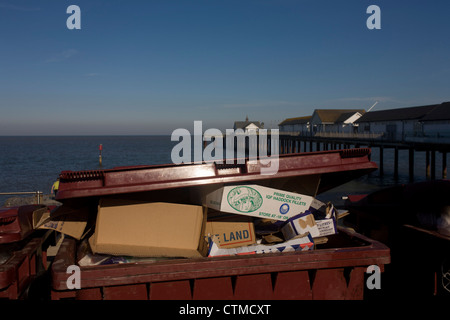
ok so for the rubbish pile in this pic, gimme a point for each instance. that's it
(233, 220)
(167, 210)
(217, 224)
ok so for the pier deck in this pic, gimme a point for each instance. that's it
(290, 143)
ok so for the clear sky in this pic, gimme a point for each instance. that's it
(149, 67)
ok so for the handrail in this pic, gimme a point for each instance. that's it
(37, 193)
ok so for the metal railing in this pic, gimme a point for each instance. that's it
(38, 194)
(442, 137)
(350, 135)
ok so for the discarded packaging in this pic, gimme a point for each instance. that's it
(258, 201)
(296, 244)
(140, 229)
(91, 259)
(72, 223)
(319, 221)
(231, 231)
(301, 224)
(325, 217)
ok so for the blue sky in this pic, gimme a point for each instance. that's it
(149, 67)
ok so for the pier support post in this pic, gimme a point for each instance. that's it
(427, 163)
(444, 165)
(381, 167)
(411, 164)
(433, 164)
(396, 163)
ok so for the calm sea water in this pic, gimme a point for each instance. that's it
(34, 163)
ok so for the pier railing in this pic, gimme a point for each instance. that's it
(339, 135)
(431, 143)
(350, 135)
(38, 195)
(440, 137)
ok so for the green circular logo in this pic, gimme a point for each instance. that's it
(244, 199)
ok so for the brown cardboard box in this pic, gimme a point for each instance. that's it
(231, 231)
(143, 229)
(70, 222)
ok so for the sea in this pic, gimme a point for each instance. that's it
(33, 163)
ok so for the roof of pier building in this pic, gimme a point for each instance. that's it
(297, 120)
(421, 113)
(336, 115)
(440, 112)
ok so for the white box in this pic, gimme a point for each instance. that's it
(325, 217)
(299, 225)
(258, 201)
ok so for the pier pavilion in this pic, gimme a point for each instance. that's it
(416, 129)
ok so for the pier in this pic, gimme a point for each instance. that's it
(296, 143)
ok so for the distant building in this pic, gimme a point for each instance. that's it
(430, 123)
(295, 125)
(408, 123)
(323, 120)
(437, 122)
(335, 120)
(248, 126)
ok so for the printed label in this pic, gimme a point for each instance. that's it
(284, 208)
(245, 199)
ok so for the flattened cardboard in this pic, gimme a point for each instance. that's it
(142, 229)
(72, 223)
(258, 201)
(304, 243)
